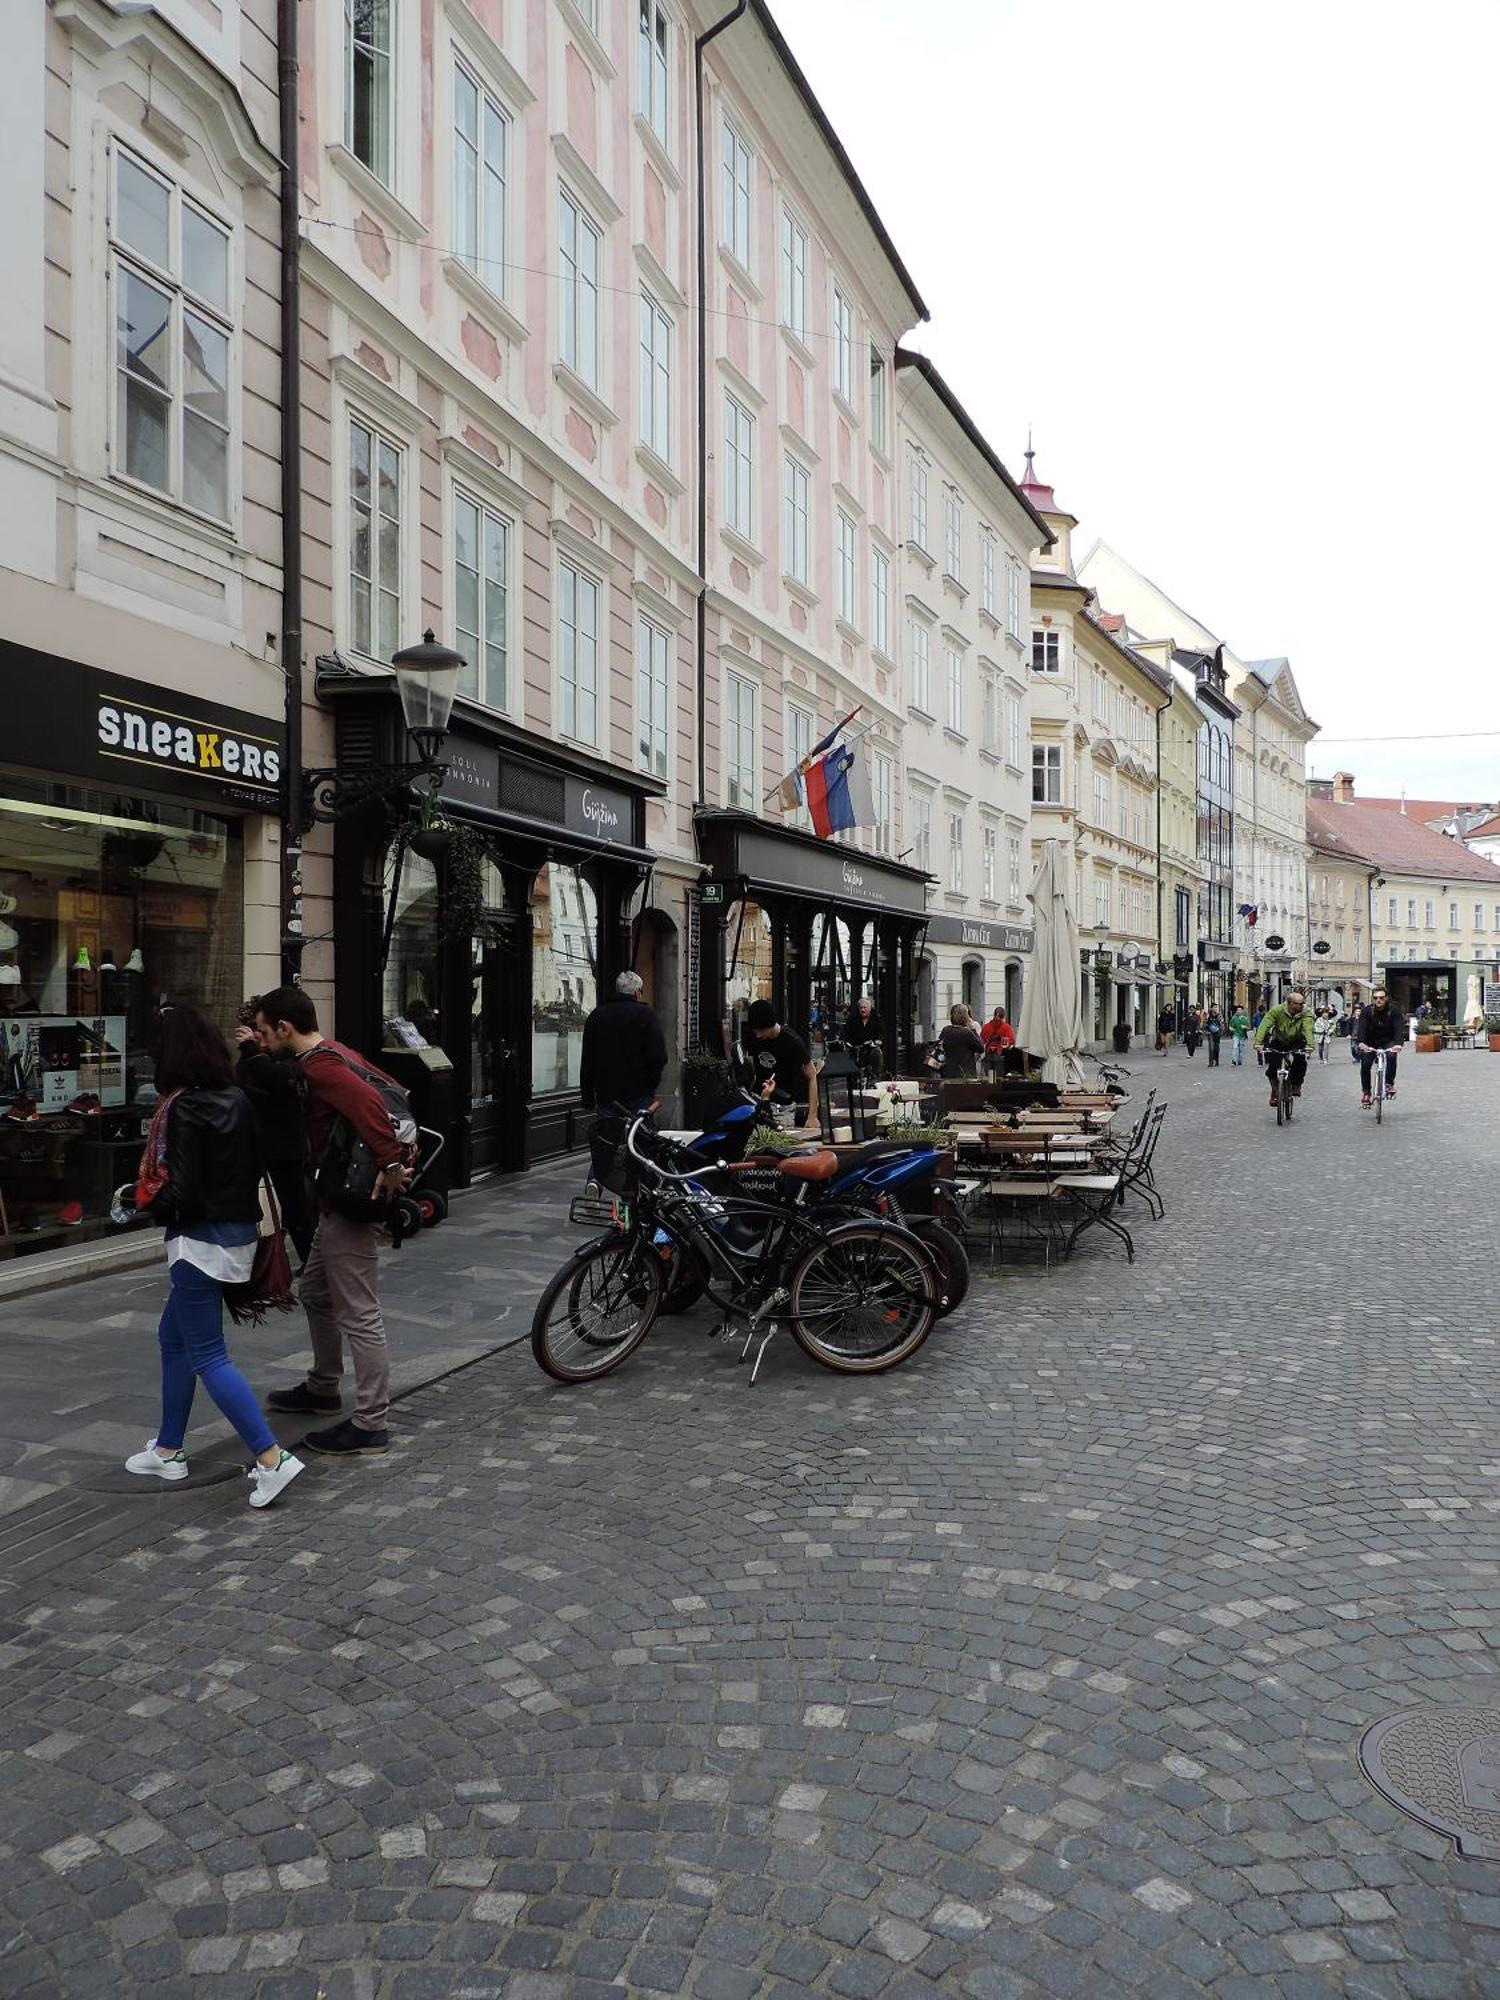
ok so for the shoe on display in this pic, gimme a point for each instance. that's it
(83, 963)
(267, 1481)
(28, 1222)
(22, 1110)
(8, 936)
(154, 1463)
(347, 1440)
(10, 975)
(70, 1214)
(301, 1401)
(135, 963)
(87, 1101)
(107, 963)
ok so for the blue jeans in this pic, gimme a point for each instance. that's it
(192, 1345)
(1239, 1051)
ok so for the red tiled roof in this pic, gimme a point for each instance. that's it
(1112, 621)
(1367, 830)
(1487, 829)
(1422, 809)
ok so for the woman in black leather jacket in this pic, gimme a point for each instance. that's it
(200, 1178)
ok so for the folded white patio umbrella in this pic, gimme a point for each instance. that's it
(1051, 1024)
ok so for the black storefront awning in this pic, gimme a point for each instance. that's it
(740, 848)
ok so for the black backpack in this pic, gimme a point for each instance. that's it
(347, 1173)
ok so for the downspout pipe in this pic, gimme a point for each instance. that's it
(699, 45)
(291, 487)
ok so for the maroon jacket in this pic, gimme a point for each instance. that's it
(335, 1091)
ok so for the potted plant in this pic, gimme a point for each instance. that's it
(1430, 1033)
(706, 1081)
(1492, 1032)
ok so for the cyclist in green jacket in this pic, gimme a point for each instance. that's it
(1286, 1031)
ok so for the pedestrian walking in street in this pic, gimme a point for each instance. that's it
(622, 1060)
(1213, 1029)
(200, 1178)
(1239, 1029)
(961, 1046)
(998, 1037)
(1166, 1025)
(275, 1093)
(340, 1284)
(1323, 1022)
(781, 1061)
(1192, 1031)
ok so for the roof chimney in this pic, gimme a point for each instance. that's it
(1343, 788)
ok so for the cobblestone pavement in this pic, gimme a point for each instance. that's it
(1035, 1668)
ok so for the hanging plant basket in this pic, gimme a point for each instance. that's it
(431, 842)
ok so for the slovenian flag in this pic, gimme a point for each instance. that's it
(838, 792)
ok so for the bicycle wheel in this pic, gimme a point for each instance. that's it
(1380, 1095)
(1281, 1101)
(597, 1310)
(951, 1258)
(1287, 1097)
(863, 1299)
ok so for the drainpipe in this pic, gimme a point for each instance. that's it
(699, 45)
(291, 490)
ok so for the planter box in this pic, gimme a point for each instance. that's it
(1428, 1045)
(1494, 1041)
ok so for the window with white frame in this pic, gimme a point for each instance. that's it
(578, 281)
(921, 831)
(481, 143)
(801, 729)
(989, 858)
(1013, 867)
(1497, 916)
(653, 698)
(1453, 916)
(1046, 774)
(880, 601)
(481, 599)
(918, 528)
(578, 652)
(1101, 696)
(793, 275)
(847, 570)
(369, 84)
(741, 732)
(1429, 915)
(989, 704)
(843, 346)
(953, 516)
(987, 573)
(1013, 596)
(1012, 730)
(1479, 916)
(1046, 650)
(954, 677)
(882, 790)
(879, 414)
(376, 465)
(739, 467)
(1101, 800)
(651, 46)
(735, 197)
(169, 272)
(1391, 917)
(956, 853)
(1411, 913)
(656, 378)
(794, 487)
(919, 643)
(1103, 901)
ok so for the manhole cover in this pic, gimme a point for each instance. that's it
(1441, 1765)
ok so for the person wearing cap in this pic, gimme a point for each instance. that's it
(624, 1054)
(781, 1059)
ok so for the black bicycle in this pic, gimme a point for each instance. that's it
(859, 1295)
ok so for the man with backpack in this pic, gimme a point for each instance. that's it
(348, 1104)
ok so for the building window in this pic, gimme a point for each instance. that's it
(1428, 915)
(653, 694)
(736, 195)
(369, 87)
(921, 832)
(652, 46)
(481, 586)
(987, 573)
(989, 720)
(1453, 916)
(801, 726)
(880, 601)
(1046, 650)
(741, 699)
(989, 855)
(656, 379)
(1102, 903)
(794, 519)
(1101, 801)
(375, 467)
(170, 274)
(921, 666)
(1122, 801)
(1479, 916)
(1012, 730)
(1391, 917)
(1101, 696)
(1046, 774)
(843, 346)
(956, 853)
(793, 275)
(919, 501)
(1013, 867)
(739, 468)
(882, 787)
(578, 304)
(846, 568)
(481, 135)
(578, 652)
(954, 662)
(952, 534)
(1013, 597)
(879, 417)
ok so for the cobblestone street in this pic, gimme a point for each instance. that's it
(1038, 1667)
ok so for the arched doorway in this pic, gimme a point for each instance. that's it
(1015, 986)
(973, 986)
(654, 955)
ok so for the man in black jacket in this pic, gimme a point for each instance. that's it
(622, 1063)
(1379, 1026)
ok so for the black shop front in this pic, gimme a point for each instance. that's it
(469, 969)
(808, 925)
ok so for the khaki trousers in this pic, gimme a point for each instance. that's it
(340, 1289)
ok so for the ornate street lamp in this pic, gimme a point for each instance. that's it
(426, 680)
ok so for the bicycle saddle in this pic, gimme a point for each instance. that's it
(809, 1166)
(864, 1152)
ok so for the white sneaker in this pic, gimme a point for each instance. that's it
(268, 1481)
(157, 1464)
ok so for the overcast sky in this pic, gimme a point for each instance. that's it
(1235, 264)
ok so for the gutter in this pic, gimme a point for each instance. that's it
(291, 489)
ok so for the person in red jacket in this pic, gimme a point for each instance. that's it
(340, 1283)
(998, 1036)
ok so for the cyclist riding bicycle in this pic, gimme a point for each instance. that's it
(1286, 1034)
(1378, 1026)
